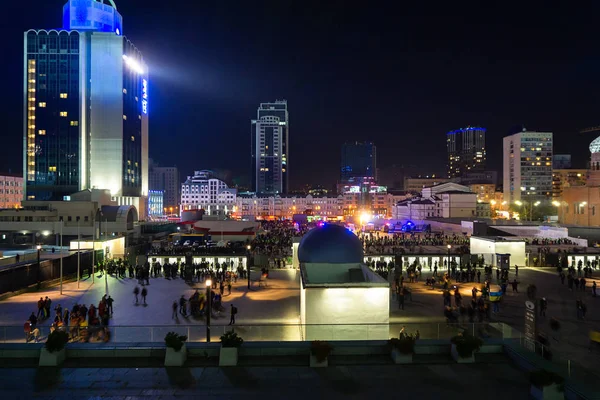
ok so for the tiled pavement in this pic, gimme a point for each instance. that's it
(417, 381)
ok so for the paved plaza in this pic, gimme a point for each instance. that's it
(263, 310)
(448, 381)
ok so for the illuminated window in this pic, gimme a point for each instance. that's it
(124, 91)
(52, 169)
(133, 139)
(74, 123)
(64, 95)
(42, 132)
(42, 104)
(125, 117)
(31, 108)
(31, 90)
(63, 114)
(31, 117)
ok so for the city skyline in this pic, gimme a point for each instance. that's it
(204, 100)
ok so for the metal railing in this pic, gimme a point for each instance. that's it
(266, 332)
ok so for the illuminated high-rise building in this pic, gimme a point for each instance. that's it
(527, 162)
(358, 161)
(270, 148)
(86, 108)
(466, 151)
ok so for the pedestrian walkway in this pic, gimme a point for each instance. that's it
(449, 381)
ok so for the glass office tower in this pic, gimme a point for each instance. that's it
(358, 160)
(86, 108)
(466, 151)
(270, 148)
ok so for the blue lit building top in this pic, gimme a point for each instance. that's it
(468, 128)
(92, 15)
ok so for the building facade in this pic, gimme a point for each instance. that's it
(358, 160)
(527, 163)
(417, 183)
(86, 108)
(203, 191)
(446, 200)
(564, 178)
(166, 179)
(11, 191)
(155, 203)
(466, 151)
(269, 141)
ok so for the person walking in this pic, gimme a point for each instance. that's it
(182, 306)
(109, 304)
(136, 292)
(144, 294)
(516, 270)
(594, 289)
(40, 305)
(174, 308)
(233, 312)
(514, 284)
(401, 298)
(222, 288)
(228, 287)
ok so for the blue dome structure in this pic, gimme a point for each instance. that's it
(330, 244)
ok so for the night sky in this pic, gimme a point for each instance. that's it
(398, 75)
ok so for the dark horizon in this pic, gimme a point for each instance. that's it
(401, 77)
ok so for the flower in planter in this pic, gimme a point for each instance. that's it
(320, 350)
(175, 340)
(56, 341)
(231, 339)
(466, 344)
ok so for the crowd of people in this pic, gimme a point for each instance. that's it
(376, 243)
(83, 324)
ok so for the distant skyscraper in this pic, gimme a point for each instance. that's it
(359, 160)
(466, 151)
(270, 148)
(561, 161)
(86, 108)
(527, 161)
(166, 179)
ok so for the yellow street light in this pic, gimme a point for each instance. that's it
(556, 203)
(519, 203)
(208, 283)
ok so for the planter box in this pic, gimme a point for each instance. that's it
(54, 359)
(400, 358)
(315, 364)
(228, 356)
(175, 358)
(459, 359)
(546, 393)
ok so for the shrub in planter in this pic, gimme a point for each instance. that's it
(231, 339)
(405, 344)
(466, 344)
(230, 342)
(175, 341)
(53, 353)
(546, 385)
(56, 341)
(320, 350)
(176, 353)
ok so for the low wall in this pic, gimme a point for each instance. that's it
(22, 276)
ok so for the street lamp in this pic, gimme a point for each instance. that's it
(39, 249)
(248, 264)
(448, 263)
(209, 308)
(78, 253)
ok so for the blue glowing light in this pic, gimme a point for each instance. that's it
(144, 96)
(468, 128)
(92, 15)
